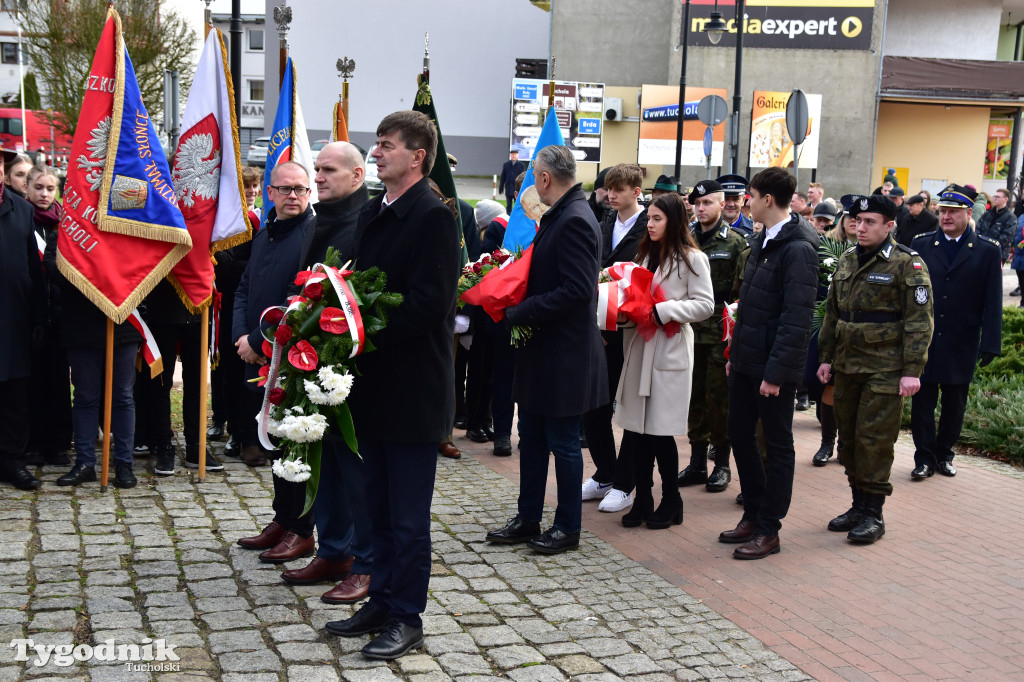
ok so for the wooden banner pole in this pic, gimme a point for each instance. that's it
(108, 389)
(204, 370)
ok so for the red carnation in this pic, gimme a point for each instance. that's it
(283, 333)
(276, 396)
(333, 320)
(303, 356)
(314, 291)
(301, 278)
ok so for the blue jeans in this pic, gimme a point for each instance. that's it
(342, 520)
(87, 369)
(539, 435)
(399, 488)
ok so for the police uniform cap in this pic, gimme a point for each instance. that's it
(704, 188)
(876, 203)
(847, 201)
(957, 196)
(733, 185)
(666, 183)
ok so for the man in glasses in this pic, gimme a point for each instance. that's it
(276, 257)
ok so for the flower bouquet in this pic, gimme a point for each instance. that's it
(497, 281)
(636, 298)
(829, 252)
(312, 344)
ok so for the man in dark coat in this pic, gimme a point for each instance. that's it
(22, 317)
(998, 223)
(509, 172)
(918, 220)
(271, 269)
(967, 287)
(412, 237)
(342, 522)
(560, 370)
(767, 358)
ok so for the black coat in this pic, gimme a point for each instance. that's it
(494, 236)
(509, 172)
(22, 287)
(561, 370)
(336, 223)
(627, 248)
(773, 322)
(968, 300)
(470, 230)
(910, 226)
(276, 250)
(407, 389)
(999, 226)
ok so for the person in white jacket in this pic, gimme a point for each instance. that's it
(654, 390)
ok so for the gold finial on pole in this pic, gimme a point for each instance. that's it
(345, 67)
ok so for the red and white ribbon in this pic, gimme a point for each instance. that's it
(349, 308)
(40, 244)
(149, 351)
(609, 298)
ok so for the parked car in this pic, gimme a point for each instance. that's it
(258, 152)
(373, 183)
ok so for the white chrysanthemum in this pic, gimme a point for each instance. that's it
(314, 392)
(333, 388)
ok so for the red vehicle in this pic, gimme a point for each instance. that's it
(41, 135)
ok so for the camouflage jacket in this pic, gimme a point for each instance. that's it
(878, 317)
(723, 252)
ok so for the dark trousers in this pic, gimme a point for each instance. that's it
(538, 436)
(510, 200)
(931, 447)
(1020, 283)
(342, 520)
(50, 398)
(479, 380)
(709, 407)
(597, 425)
(14, 425)
(461, 369)
(232, 369)
(503, 373)
(87, 373)
(645, 450)
(153, 395)
(289, 500)
(767, 486)
(248, 428)
(399, 488)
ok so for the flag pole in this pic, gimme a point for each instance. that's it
(345, 68)
(204, 326)
(283, 18)
(108, 388)
(207, 20)
(426, 57)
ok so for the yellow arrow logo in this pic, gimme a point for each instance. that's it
(851, 27)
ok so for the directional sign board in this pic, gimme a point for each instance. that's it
(578, 106)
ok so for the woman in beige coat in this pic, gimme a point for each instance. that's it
(654, 390)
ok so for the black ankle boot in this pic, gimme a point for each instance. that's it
(828, 436)
(849, 519)
(696, 472)
(871, 526)
(643, 506)
(668, 513)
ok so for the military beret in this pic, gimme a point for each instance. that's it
(733, 185)
(704, 188)
(956, 196)
(876, 203)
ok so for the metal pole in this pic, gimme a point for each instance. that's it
(737, 96)
(236, 54)
(1014, 169)
(21, 71)
(683, 35)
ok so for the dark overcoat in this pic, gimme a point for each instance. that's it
(22, 287)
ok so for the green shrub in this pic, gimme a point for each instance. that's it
(1011, 362)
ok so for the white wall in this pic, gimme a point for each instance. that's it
(951, 29)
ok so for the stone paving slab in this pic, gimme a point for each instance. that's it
(159, 561)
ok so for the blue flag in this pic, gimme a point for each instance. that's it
(288, 140)
(521, 227)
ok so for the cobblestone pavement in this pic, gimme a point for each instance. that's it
(160, 561)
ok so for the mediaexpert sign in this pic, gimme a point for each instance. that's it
(578, 107)
(790, 24)
(770, 144)
(659, 112)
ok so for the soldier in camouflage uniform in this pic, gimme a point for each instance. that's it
(878, 325)
(709, 405)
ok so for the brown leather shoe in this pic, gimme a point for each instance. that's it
(319, 570)
(290, 547)
(354, 588)
(758, 547)
(253, 456)
(270, 536)
(743, 531)
(448, 450)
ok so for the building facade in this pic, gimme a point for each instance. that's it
(251, 82)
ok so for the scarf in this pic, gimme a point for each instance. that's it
(50, 217)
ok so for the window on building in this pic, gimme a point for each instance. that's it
(13, 5)
(256, 90)
(256, 39)
(9, 53)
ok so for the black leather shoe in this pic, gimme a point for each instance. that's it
(923, 471)
(1015, 292)
(719, 479)
(490, 432)
(947, 469)
(515, 531)
(712, 452)
(460, 423)
(739, 499)
(692, 475)
(20, 478)
(554, 541)
(502, 446)
(869, 529)
(846, 521)
(215, 432)
(124, 477)
(79, 474)
(803, 403)
(477, 435)
(823, 455)
(233, 448)
(397, 639)
(369, 618)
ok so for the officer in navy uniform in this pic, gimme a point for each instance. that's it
(735, 188)
(967, 285)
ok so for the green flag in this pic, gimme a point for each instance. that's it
(441, 173)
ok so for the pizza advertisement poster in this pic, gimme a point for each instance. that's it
(659, 116)
(770, 144)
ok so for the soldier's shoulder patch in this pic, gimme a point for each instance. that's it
(850, 250)
(989, 239)
(923, 234)
(921, 295)
(906, 249)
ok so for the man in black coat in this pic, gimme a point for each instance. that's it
(23, 318)
(967, 288)
(767, 358)
(918, 220)
(509, 172)
(998, 223)
(412, 236)
(560, 370)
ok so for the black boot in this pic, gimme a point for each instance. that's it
(696, 472)
(643, 506)
(669, 512)
(849, 519)
(828, 436)
(871, 526)
(720, 476)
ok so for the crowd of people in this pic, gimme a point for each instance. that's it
(726, 355)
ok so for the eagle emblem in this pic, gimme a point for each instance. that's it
(197, 167)
(96, 162)
(921, 295)
(864, 204)
(701, 189)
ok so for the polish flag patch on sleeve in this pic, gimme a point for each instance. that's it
(917, 266)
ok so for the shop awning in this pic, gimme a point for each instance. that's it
(952, 80)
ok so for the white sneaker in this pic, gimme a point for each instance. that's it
(615, 501)
(592, 490)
